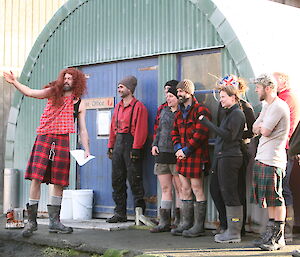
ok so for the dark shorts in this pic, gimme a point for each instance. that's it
(267, 185)
(50, 160)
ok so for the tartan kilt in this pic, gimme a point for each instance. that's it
(192, 166)
(40, 167)
(267, 190)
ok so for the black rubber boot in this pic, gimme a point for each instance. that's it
(117, 218)
(55, 226)
(176, 218)
(234, 223)
(31, 224)
(199, 218)
(289, 224)
(164, 224)
(264, 238)
(276, 242)
(187, 213)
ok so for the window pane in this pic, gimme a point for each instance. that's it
(197, 68)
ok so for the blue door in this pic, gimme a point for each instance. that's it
(96, 174)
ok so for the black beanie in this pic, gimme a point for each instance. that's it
(171, 83)
(129, 82)
(173, 90)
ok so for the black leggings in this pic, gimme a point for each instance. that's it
(224, 185)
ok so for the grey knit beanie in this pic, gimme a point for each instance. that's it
(187, 86)
(130, 82)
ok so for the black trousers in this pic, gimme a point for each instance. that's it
(224, 185)
(124, 168)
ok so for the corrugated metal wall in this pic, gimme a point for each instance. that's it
(20, 24)
(86, 32)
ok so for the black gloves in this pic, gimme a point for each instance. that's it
(110, 153)
(135, 154)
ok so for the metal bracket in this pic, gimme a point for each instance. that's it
(141, 218)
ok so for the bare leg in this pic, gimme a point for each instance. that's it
(197, 187)
(35, 189)
(186, 188)
(165, 181)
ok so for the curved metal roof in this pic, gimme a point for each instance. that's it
(94, 31)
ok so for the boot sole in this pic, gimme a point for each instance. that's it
(28, 234)
(229, 241)
(177, 234)
(270, 249)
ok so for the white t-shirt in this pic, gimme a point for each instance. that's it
(271, 149)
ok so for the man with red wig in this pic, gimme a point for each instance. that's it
(50, 157)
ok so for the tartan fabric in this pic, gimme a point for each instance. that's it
(267, 185)
(41, 168)
(157, 117)
(57, 120)
(191, 133)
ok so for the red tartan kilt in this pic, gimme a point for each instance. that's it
(41, 168)
(192, 166)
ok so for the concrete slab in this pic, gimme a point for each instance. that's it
(138, 241)
(98, 224)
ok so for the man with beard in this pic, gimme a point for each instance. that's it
(268, 172)
(128, 134)
(190, 139)
(50, 157)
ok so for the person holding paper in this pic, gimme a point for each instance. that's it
(128, 134)
(50, 157)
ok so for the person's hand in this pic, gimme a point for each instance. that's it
(180, 154)
(9, 77)
(135, 154)
(110, 153)
(86, 154)
(154, 150)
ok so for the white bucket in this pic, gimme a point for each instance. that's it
(67, 205)
(82, 204)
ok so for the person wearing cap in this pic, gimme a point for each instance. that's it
(128, 134)
(228, 162)
(240, 84)
(190, 139)
(285, 93)
(168, 84)
(165, 160)
(273, 126)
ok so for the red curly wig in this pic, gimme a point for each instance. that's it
(79, 86)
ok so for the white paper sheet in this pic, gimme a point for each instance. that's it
(79, 157)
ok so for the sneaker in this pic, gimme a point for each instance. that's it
(116, 219)
(296, 253)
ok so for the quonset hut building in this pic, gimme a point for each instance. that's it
(155, 41)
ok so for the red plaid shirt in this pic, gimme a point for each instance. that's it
(57, 120)
(192, 134)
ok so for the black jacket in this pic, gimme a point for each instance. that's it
(249, 115)
(294, 142)
(229, 133)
